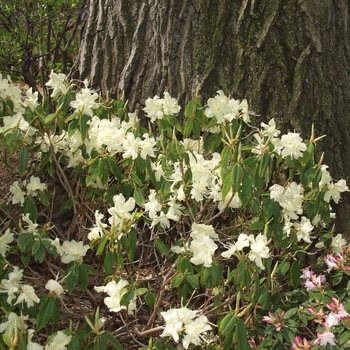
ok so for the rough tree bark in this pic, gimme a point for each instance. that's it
(289, 58)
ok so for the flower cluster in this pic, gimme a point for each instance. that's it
(200, 183)
(222, 108)
(33, 187)
(258, 248)
(157, 108)
(115, 293)
(183, 320)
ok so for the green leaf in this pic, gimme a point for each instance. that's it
(23, 161)
(150, 171)
(264, 163)
(84, 126)
(45, 314)
(193, 281)
(110, 337)
(30, 207)
(227, 183)
(237, 176)
(227, 323)
(177, 280)
(138, 196)
(71, 278)
(50, 117)
(109, 262)
(113, 166)
(127, 297)
(150, 299)
(295, 274)
(162, 247)
(83, 278)
(241, 339)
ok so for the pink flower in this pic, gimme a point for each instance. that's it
(276, 321)
(324, 338)
(300, 344)
(319, 315)
(338, 308)
(315, 282)
(306, 273)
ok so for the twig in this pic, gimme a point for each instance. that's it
(65, 183)
(167, 278)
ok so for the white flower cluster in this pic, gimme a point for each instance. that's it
(13, 288)
(183, 320)
(202, 244)
(70, 250)
(34, 185)
(16, 121)
(224, 109)
(121, 212)
(157, 108)
(258, 248)
(291, 199)
(115, 293)
(5, 240)
(289, 145)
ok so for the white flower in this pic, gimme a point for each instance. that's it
(31, 226)
(85, 101)
(234, 204)
(173, 325)
(12, 285)
(16, 122)
(270, 129)
(54, 287)
(59, 342)
(154, 108)
(242, 242)
(218, 107)
(202, 245)
(153, 206)
(147, 146)
(13, 322)
(259, 250)
(326, 176)
(304, 229)
(31, 99)
(73, 251)
(121, 209)
(203, 250)
(182, 320)
(290, 198)
(334, 191)
(161, 219)
(5, 240)
(35, 185)
(57, 82)
(292, 145)
(17, 193)
(97, 230)
(115, 293)
(170, 105)
(27, 295)
(31, 345)
(200, 230)
(194, 329)
(338, 242)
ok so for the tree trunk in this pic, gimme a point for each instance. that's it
(289, 58)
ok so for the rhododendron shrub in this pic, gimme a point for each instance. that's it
(219, 231)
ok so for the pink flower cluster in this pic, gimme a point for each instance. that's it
(277, 320)
(312, 280)
(339, 261)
